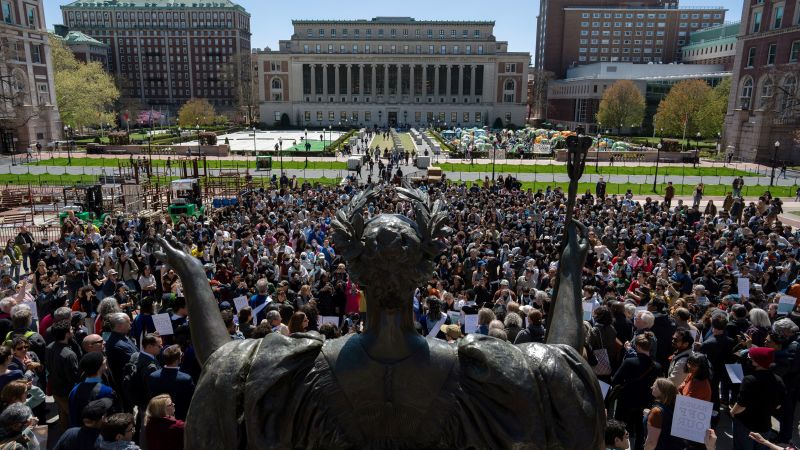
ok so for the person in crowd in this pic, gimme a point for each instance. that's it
(63, 370)
(16, 428)
(119, 349)
(116, 433)
(170, 380)
(659, 417)
(163, 430)
(697, 384)
(86, 435)
(718, 348)
(682, 343)
(92, 365)
(760, 394)
(636, 375)
(616, 436)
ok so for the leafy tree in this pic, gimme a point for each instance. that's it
(84, 91)
(622, 105)
(682, 109)
(712, 115)
(196, 111)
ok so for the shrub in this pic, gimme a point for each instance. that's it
(207, 138)
(119, 138)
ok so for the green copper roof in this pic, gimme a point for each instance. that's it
(728, 30)
(149, 4)
(78, 38)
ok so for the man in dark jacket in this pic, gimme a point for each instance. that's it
(62, 368)
(663, 328)
(759, 396)
(85, 436)
(170, 380)
(145, 362)
(719, 350)
(786, 335)
(534, 332)
(119, 349)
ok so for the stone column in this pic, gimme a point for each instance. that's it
(360, 79)
(461, 80)
(374, 82)
(472, 80)
(411, 80)
(449, 85)
(400, 80)
(386, 79)
(436, 92)
(325, 79)
(424, 80)
(313, 72)
(349, 80)
(336, 81)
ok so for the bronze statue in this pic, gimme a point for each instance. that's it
(389, 387)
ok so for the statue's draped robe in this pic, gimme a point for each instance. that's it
(299, 392)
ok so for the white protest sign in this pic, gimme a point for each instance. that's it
(163, 324)
(455, 317)
(691, 418)
(34, 310)
(240, 303)
(744, 287)
(588, 308)
(735, 373)
(329, 319)
(786, 304)
(604, 388)
(471, 323)
(641, 308)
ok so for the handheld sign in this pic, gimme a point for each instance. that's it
(34, 310)
(471, 323)
(744, 287)
(735, 373)
(786, 304)
(240, 303)
(329, 319)
(588, 308)
(455, 317)
(604, 388)
(163, 324)
(691, 418)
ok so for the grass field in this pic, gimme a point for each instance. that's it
(70, 180)
(212, 163)
(408, 143)
(590, 169)
(680, 189)
(379, 141)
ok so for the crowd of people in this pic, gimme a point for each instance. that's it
(665, 306)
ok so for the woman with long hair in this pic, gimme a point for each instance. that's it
(298, 323)
(697, 384)
(659, 417)
(161, 429)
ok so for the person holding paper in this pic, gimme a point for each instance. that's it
(719, 349)
(785, 336)
(636, 375)
(659, 417)
(760, 394)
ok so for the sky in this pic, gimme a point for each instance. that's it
(515, 20)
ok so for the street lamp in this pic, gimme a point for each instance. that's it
(67, 132)
(280, 145)
(774, 161)
(658, 157)
(307, 144)
(597, 155)
(255, 152)
(697, 150)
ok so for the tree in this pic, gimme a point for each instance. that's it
(84, 91)
(622, 105)
(196, 111)
(680, 112)
(712, 115)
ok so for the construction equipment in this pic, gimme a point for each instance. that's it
(187, 199)
(85, 202)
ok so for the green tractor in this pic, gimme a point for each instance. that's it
(186, 199)
(85, 202)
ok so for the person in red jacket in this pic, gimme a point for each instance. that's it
(162, 430)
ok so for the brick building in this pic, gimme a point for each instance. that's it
(392, 71)
(85, 48)
(763, 107)
(164, 52)
(715, 45)
(28, 111)
(571, 34)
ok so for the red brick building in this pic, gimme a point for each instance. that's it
(164, 52)
(763, 107)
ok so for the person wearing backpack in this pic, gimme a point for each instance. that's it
(21, 320)
(136, 372)
(92, 365)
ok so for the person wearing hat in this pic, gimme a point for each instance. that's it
(760, 394)
(92, 366)
(83, 437)
(452, 333)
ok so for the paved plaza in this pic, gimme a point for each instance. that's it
(242, 142)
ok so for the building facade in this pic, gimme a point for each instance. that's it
(392, 71)
(715, 45)
(85, 48)
(575, 100)
(763, 107)
(164, 52)
(570, 33)
(28, 110)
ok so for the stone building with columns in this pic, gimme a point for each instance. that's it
(392, 71)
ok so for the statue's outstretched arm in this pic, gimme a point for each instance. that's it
(566, 321)
(205, 321)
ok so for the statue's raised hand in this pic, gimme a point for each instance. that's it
(172, 253)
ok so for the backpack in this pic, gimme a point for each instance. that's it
(133, 383)
(12, 334)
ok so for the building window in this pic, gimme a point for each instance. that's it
(789, 94)
(746, 93)
(756, 21)
(478, 117)
(307, 116)
(8, 12)
(277, 116)
(368, 116)
(751, 57)
(508, 91)
(766, 92)
(36, 54)
(480, 49)
(31, 13)
(773, 50)
(778, 17)
(511, 68)
(794, 53)
(331, 116)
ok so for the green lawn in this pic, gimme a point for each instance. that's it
(316, 146)
(590, 169)
(213, 163)
(680, 189)
(379, 141)
(408, 143)
(70, 180)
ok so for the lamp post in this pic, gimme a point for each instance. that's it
(697, 149)
(280, 152)
(67, 132)
(597, 155)
(774, 161)
(658, 157)
(255, 152)
(330, 135)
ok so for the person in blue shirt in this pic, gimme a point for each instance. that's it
(259, 299)
(85, 436)
(93, 366)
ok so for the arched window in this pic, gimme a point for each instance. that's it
(509, 88)
(277, 84)
(746, 93)
(766, 93)
(789, 95)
